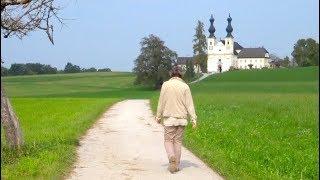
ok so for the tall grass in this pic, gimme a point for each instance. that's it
(258, 124)
(54, 112)
(252, 124)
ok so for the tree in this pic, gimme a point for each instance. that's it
(200, 47)
(18, 18)
(17, 69)
(31, 68)
(47, 69)
(189, 74)
(153, 64)
(275, 58)
(285, 62)
(70, 68)
(4, 71)
(104, 70)
(306, 52)
(92, 69)
(250, 66)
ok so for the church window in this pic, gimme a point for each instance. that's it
(210, 47)
(228, 42)
(250, 61)
(219, 49)
(245, 61)
(210, 43)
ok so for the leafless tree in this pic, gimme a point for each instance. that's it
(18, 18)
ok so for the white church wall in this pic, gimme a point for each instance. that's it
(213, 62)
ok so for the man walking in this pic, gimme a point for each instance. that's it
(174, 106)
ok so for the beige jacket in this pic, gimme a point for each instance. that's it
(175, 103)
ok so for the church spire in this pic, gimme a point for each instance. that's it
(229, 28)
(211, 28)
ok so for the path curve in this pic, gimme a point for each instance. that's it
(126, 143)
(204, 75)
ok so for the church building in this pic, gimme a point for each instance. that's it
(226, 54)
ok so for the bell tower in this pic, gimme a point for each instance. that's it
(211, 41)
(229, 42)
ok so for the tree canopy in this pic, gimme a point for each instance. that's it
(189, 74)
(70, 68)
(306, 52)
(155, 61)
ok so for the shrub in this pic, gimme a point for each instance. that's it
(232, 68)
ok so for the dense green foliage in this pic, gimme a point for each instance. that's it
(72, 68)
(54, 111)
(92, 69)
(4, 71)
(200, 46)
(285, 62)
(37, 68)
(154, 62)
(28, 69)
(189, 74)
(104, 70)
(258, 124)
(306, 52)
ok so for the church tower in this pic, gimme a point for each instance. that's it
(229, 42)
(211, 41)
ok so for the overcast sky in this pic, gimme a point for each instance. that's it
(107, 33)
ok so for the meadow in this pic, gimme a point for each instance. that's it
(251, 124)
(259, 124)
(54, 112)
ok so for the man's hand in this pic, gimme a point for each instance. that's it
(194, 124)
(158, 120)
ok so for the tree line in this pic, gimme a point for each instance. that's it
(38, 68)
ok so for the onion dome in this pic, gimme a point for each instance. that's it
(211, 28)
(229, 28)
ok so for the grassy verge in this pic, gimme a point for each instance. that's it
(51, 129)
(257, 125)
(54, 112)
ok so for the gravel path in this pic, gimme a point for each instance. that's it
(126, 143)
(205, 75)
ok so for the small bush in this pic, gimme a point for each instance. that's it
(232, 68)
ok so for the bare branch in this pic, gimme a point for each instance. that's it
(5, 3)
(33, 15)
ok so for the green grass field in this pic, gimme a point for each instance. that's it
(252, 125)
(54, 111)
(258, 125)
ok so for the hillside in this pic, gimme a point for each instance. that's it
(251, 124)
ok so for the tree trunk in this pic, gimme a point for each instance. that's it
(10, 123)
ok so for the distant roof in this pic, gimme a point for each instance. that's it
(183, 60)
(236, 46)
(252, 53)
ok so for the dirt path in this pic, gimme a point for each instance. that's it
(126, 143)
(205, 75)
